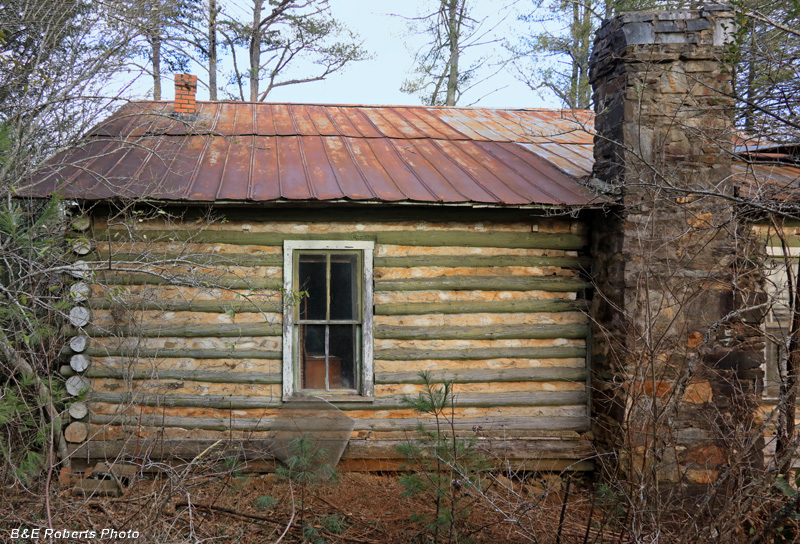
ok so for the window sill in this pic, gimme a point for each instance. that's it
(332, 398)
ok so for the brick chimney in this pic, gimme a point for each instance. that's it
(664, 260)
(185, 90)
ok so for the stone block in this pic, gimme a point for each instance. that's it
(694, 25)
(699, 393)
(704, 456)
(701, 476)
(672, 38)
(638, 17)
(669, 26)
(97, 488)
(676, 15)
(638, 33)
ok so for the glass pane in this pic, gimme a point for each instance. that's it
(311, 278)
(344, 286)
(343, 357)
(312, 355)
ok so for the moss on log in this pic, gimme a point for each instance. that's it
(487, 307)
(470, 400)
(489, 375)
(484, 283)
(468, 354)
(483, 332)
(432, 238)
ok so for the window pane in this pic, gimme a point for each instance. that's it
(311, 278)
(343, 356)
(344, 285)
(312, 356)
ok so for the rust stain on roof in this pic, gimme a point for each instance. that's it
(234, 151)
(261, 152)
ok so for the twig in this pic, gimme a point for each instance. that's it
(291, 519)
(563, 511)
(228, 511)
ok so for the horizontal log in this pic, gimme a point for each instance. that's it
(468, 354)
(81, 223)
(522, 465)
(76, 432)
(191, 330)
(469, 426)
(208, 376)
(487, 424)
(433, 238)
(384, 212)
(509, 449)
(80, 316)
(207, 306)
(483, 332)
(234, 330)
(77, 385)
(187, 280)
(542, 374)
(234, 402)
(78, 410)
(411, 261)
(487, 307)
(170, 448)
(414, 308)
(483, 261)
(142, 353)
(484, 283)
(372, 213)
(202, 259)
(79, 363)
(79, 343)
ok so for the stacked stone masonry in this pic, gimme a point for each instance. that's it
(672, 374)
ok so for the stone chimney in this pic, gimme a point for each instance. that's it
(185, 90)
(670, 372)
(662, 94)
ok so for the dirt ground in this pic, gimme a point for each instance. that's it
(259, 508)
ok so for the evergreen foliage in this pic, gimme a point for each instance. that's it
(442, 466)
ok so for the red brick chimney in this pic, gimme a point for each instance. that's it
(185, 90)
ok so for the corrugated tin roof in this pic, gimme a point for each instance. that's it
(261, 152)
(235, 151)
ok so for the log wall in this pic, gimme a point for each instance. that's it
(185, 330)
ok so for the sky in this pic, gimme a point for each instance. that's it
(381, 25)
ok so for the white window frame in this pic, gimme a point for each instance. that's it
(367, 365)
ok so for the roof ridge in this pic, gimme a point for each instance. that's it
(346, 105)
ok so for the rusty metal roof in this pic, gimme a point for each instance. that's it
(259, 152)
(262, 152)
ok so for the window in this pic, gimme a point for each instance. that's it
(327, 333)
(779, 318)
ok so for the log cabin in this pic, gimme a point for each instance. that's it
(232, 258)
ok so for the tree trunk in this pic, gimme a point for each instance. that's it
(155, 43)
(454, 24)
(573, 80)
(584, 87)
(785, 446)
(749, 121)
(212, 49)
(255, 50)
